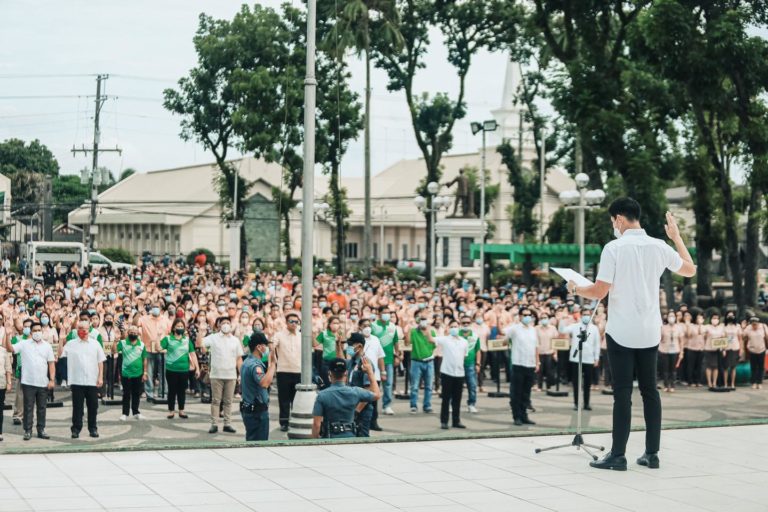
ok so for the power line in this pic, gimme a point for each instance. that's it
(42, 97)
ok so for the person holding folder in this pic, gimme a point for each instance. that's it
(630, 269)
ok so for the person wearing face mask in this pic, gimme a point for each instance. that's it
(523, 340)
(110, 335)
(376, 355)
(154, 327)
(421, 339)
(756, 339)
(471, 362)
(329, 342)
(693, 354)
(455, 350)
(6, 375)
(735, 349)
(386, 332)
(630, 269)
(356, 352)
(287, 348)
(670, 352)
(180, 357)
(85, 368)
(224, 350)
(256, 379)
(133, 371)
(713, 331)
(590, 357)
(18, 406)
(547, 355)
(37, 376)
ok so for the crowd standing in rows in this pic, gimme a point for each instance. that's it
(166, 330)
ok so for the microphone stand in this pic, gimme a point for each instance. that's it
(578, 438)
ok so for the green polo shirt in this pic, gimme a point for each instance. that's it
(473, 343)
(387, 334)
(14, 341)
(134, 353)
(328, 340)
(421, 348)
(177, 355)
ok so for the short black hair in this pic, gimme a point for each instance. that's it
(257, 338)
(627, 207)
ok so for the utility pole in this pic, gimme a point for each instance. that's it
(100, 99)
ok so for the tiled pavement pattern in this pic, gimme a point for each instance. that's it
(708, 469)
(552, 415)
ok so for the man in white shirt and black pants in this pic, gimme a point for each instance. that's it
(455, 349)
(524, 343)
(590, 356)
(85, 372)
(630, 270)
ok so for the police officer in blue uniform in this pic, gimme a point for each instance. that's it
(255, 379)
(359, 378)
(335, 406)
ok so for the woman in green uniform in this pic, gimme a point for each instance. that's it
(330, 342)
(179, 358)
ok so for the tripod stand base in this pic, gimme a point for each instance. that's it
(498, 394)
(112, 402)
(157, 401)
(606, 391)
(578, 442)
(551, 392)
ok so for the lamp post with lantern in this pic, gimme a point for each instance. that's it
(436, 204)
(581, 200)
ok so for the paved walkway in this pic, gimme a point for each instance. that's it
(712, 469)
(687, 406)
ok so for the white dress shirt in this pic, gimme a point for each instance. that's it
(83, 358)
(524, 341)
(374, 351)
(455, 349)
(633, 265)
(225, 350)
(35, 356)
(590, 350)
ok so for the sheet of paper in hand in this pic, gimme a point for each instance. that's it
(571, 275)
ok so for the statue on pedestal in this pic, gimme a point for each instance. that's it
(463, 195)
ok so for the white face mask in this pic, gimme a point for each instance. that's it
(366, 332)
(616, 232)
(37, 336)
(226, 328)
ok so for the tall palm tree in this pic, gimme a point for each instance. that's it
(361, 25)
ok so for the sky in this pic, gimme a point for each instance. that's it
(56, 47)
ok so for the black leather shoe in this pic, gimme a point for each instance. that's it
(650, 460)
(43, 435)
(611, 461)
(587, 407)
(75, 435)
(283, 428)
(459, 425)
(27, 435)
(93, 433)
(229, 430)
(528, 421)
(16, 421)
(213, 429)
(531, 408)
(518, 423)
(444, 426)
(376, 427)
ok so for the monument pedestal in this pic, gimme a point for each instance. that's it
(454, 238)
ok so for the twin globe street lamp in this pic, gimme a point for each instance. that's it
(436, 204)
(485, 126)
(581, 200)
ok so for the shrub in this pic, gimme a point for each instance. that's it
(118, 255)
(383, 271)
(209, 257)
(409, 275)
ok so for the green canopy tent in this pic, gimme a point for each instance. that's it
(539, 253)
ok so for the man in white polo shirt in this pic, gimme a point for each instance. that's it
(630, 270)
(37, 374)
(226, 358)
(85, 372)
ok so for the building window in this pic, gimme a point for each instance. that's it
(157, 236)
(375, 251)
(122, 235)
(466, 259)
(350, 250)
(130, 235)
(418, 251)
(405, 251)
(146, 235)
(167, 237)
(445, 251)
(389, 251)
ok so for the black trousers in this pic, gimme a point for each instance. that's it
(177, 389)
(2, 408)
(694, 363)
(546, 370)
(133, 387)
(452, 390)
(586, 382)
(286, 391)
(625, 363)
(563, 366)
(668, 370)
(34, 398)
(757, 367)
(606, 366)
(520, 390)
(89, 396)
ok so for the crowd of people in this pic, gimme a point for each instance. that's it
(168, 330)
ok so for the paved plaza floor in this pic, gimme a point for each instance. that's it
(706, 469)
(553, 415)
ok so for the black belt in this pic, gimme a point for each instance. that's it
(246, 407)
(340, 427)
(424, 360)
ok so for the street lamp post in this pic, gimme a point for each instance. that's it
(581, 200)
(486, 126)
(436, 204)
(381, 236)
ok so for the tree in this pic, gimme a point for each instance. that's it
(127, 173)
(359, 25)
(26, 164)
(467, 27)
